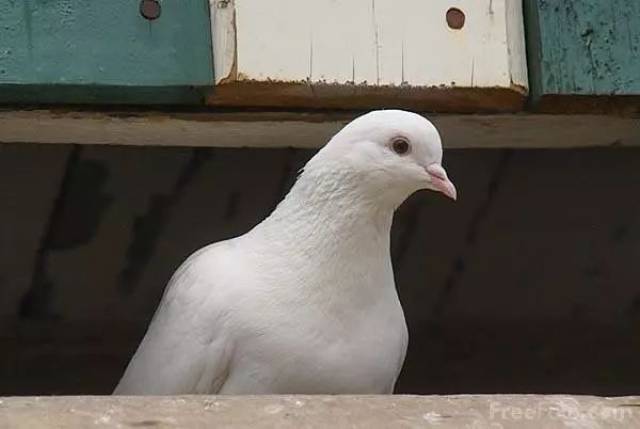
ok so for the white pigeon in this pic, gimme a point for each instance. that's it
(305, 302)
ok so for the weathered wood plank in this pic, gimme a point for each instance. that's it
(584, 55)
(104, 52)
(305, 130)
(359, 54)
(463, 411)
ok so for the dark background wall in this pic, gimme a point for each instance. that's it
(529, 283)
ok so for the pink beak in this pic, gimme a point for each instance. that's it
(441, 182)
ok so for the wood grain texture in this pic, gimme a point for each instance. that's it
(584, 52)
(445, 412)
(364, 53)
(103, 52)
(304, 130)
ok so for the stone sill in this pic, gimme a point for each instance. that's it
(459, 411)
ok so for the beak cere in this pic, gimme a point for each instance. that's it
(441, 182)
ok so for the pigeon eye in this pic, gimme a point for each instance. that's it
(400, 146)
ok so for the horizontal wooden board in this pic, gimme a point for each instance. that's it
(78, 51)
(584, 55)
(365, 53)
(304, 130)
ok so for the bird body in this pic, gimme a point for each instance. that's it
(305, 302)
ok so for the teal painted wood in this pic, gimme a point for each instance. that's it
(104, 51)
(583, 47)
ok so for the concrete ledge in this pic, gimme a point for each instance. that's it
(463, 411)
(304, 130)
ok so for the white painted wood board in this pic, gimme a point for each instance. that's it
(370, 42)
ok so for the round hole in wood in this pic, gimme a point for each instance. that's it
(150, 9)
(455, 18)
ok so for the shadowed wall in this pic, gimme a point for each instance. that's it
(530, 283)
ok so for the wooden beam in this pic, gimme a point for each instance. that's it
(346, 96)
(102, 52)
(445, 412)
(361, 54)
(584, 56)
(304, 130)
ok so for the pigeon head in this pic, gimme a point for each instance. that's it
(391, 153)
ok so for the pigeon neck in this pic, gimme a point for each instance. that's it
(332, 209)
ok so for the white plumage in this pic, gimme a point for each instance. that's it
(305, 302)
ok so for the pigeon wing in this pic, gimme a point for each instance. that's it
(185, 349)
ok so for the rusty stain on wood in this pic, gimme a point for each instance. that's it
(251, 93)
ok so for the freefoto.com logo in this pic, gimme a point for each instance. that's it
(567, 410)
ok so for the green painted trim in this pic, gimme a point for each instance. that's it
(534, 48)
(80, 51)
(91, 94)
(583, 47)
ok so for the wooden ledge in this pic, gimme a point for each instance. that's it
(304, 129)
(321, 95)
(463, 411)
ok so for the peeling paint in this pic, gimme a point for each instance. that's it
(225, 44)
(585, 49)
(346, 95)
